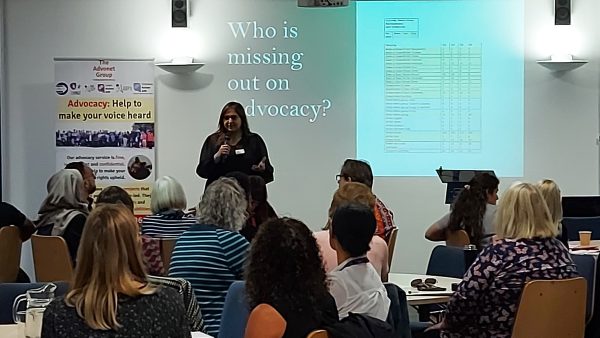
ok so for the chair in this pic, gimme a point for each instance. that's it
(576, 224)
(391, 245)
(10, 253)
(551, 308)
(458, 238)
(235, 312)
(10, 291)
(446, 261)
(51, 259)
(318, 334)
(166, 250)
(586, 266)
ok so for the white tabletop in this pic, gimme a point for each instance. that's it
(416, 297)
(11, 331)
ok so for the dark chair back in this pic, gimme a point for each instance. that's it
(446, 261)
(10, 291)
(586, 266)
(235, 312)
(576, 224)
(398, 316)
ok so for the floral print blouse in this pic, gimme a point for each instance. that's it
(486, 301)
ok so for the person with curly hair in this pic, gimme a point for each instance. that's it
(472, 211)
(211, 254)
(486, 301)
(288, 297)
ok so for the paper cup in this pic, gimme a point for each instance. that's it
(585, 237)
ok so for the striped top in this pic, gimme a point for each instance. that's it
(169, 224)
(210, 258)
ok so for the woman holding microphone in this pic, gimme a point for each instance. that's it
(233, 147)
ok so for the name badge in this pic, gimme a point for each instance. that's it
(240, 151)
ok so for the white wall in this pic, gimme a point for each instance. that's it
(561, 110)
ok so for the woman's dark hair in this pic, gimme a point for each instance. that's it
(243, 180)
(115, 195)
(357, 170)
(239, 110)
(353, 226)
(258, 192)
(469, 207)
(285, 269)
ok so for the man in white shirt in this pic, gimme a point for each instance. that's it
(354, 283)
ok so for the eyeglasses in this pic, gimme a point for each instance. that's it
(426, 285)
(338, 177)
(416, 282)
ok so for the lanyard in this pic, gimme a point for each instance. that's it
(356, 261)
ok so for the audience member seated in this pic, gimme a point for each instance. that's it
(152, 258)
(551, 194)
(259, 209)
(472, 211)
(184, 288)
(360, 171)
(89, 179)
(150, 247)
(354, 283)
(168, 202)
(211, 254)
(11, 216)
(286, 283)
(378, 255)
(115, 195)
(110, 296)
(65, 209)
(525, 249)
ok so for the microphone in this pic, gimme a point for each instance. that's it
(225, 141)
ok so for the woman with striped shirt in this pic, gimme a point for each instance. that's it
(168, 220)
(211, 254)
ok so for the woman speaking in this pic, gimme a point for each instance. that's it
(233, 147)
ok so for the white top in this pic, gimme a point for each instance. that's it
(358, 289)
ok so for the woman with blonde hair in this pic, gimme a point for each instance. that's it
(551, 193)
(168, 202)
(211, 254)
(109, 294)
(525, 249)
(353, 192)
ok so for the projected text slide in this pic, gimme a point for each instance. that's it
(439, 83)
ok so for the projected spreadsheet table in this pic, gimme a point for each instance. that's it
(432, 98)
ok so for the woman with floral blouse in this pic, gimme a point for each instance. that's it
(525, 249)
